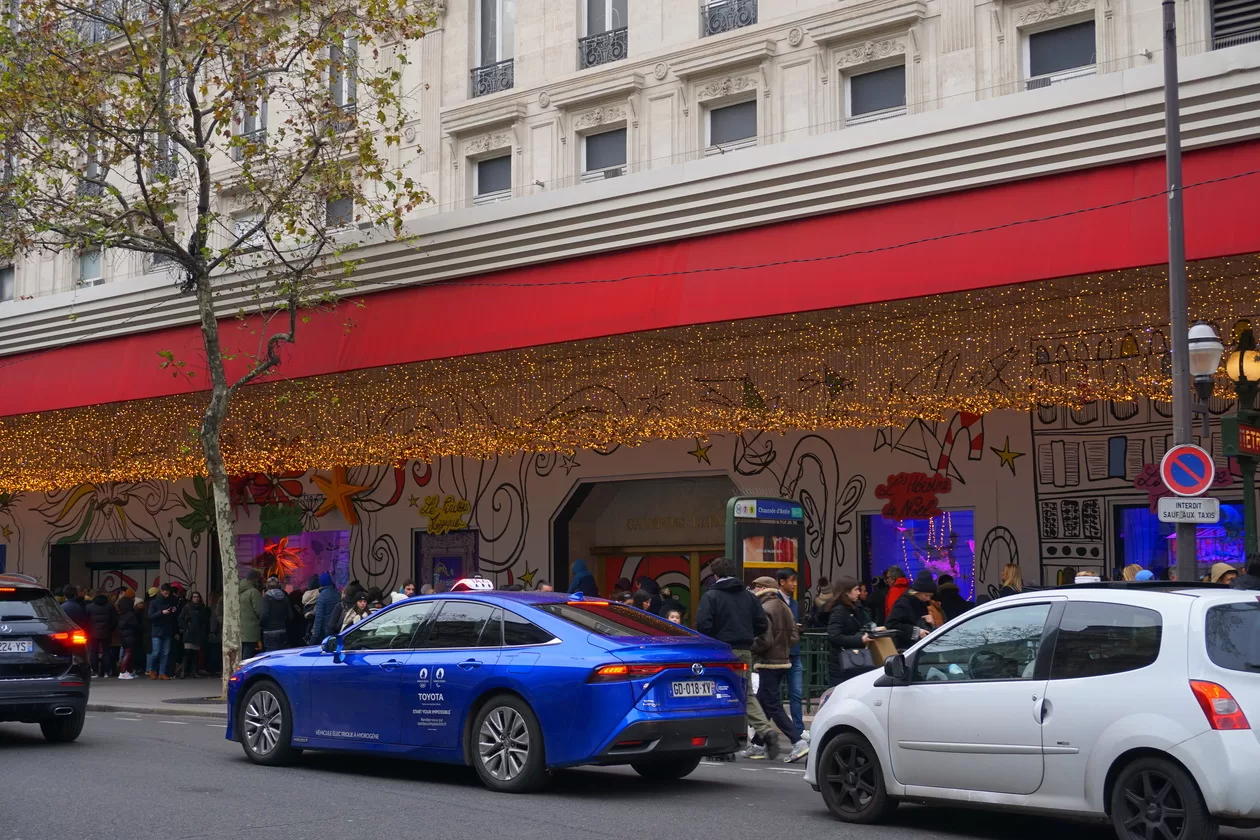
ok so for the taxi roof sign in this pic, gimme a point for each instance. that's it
(472, 585)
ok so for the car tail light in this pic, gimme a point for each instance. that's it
(78, 637)
(622, 672)
(1222, 710)
(8, 589)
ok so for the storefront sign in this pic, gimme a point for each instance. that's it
(1179, 509)
(913, 495)
(1240, 434)
(445, 515)
(772, 509)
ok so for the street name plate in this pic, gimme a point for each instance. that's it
(1181, 509)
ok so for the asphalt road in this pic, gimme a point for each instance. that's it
(138, 777)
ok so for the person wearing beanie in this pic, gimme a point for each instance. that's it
(1144, 574)
(909, 615)
(772, 660)
(153, 591)
(276, 614)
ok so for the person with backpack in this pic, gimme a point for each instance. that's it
(276, 614)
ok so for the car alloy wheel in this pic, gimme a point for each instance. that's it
(503, 743)
(1153, 807)
(853, 778)
(264, 720)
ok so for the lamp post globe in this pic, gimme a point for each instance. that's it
(1206, 350)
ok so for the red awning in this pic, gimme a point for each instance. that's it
(902, 250)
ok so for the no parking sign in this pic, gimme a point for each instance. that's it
(1187, 470)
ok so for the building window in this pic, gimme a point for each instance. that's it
(90, 266)
(253, 118)
(496, 27)
(254, 239)
(606, 33)
(732, 126)
(8, 282)
(877, 95)
(343, 74)
(604, 155)
(1057, 55)
(1235, 22)
(727, 15)
(943, 545)
(492, 180)
(340, 212)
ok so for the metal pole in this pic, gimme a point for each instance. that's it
(1248, 467)
(1187, 560)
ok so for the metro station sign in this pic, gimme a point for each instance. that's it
(1240, 434)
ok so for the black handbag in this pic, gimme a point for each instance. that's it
(856, 660)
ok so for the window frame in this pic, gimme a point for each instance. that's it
(552, 640)
(1058, 630)
(729, 145)
(851, 118)
(625, 150)
(1045, 648)
(343, 83)
(608, 15)
(1026, 41)
(100, 266)
(498, 35)
(422, 643)
(11, 271)
(494, 195)
(328, 213)
(249, 218)
(384, 615)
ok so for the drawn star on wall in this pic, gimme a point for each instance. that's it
(701, 452)
(412, 501)
(655, 401)
(338, 494)
(6, 532)
(528, 577)
(569, 463)
(1006, 455)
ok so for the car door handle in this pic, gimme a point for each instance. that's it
(391, 665)
(469, 664)
(1041, 710)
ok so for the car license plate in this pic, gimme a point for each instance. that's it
(15, 646)
(695, 688)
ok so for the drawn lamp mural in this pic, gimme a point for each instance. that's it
(1241, 431)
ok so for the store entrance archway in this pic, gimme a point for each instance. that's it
(664, 528)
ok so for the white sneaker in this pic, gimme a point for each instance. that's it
(754, 751)
(125, 676)
(799, 750)
(806, 737)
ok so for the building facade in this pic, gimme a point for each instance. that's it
(678, 195)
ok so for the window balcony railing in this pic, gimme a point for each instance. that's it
(1049, 79)
(492, 78)
(603, 47)
(727, 15)
(258, 137)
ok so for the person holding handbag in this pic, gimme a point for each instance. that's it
(847, 632)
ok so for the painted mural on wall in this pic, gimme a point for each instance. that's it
(505, 506)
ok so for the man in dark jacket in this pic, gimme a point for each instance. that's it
(163, 619)
(73, 608)
(949, 596)
(348, 599)
(102, 621)
(276, 615)
(129, 629)
(909, 613)
(325, 605)
(730, 613)
(1250, 578)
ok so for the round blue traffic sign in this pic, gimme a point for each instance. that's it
(1187, 470)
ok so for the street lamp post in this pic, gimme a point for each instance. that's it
(1202, 359)
(1241, 431)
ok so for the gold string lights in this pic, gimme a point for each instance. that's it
(1064, 342)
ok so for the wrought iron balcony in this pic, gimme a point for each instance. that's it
(492, 78)
(727, 15)
(603, 47)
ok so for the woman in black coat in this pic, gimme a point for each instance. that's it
(846, 630)
(129, 629)
(194, 624)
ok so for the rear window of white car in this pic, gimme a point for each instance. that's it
(1233, 635)
(1096, 638)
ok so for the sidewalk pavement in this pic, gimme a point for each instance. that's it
(158, 697)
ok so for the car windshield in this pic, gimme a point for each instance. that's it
(27, 604)
(613, 619)
(1233, 635)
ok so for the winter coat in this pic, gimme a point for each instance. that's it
(353, 616)
(1007, 591)
(845, 629)
(1246, 582)
(163, 626)
(129, 624)
(102, 618)
(194, 623)
(276, 611)
(325, 605)
(583, 580)
(820, 613)
(772, 648)
(75, 612)
(309, 599)
(794, 606)
(652, 588)
(730, 613)
(906, 617)
(952, 602)
(671, 603)
(251, 612)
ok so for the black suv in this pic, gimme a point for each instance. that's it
(44, 674)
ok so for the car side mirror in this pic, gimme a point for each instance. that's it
(895, 668)
(333, 645)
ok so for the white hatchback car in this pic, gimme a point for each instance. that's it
(1125, 702)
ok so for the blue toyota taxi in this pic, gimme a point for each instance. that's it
(515, 684)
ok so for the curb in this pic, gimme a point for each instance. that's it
(175, 711)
